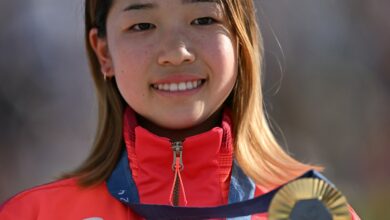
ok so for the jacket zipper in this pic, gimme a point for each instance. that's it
(177, 167)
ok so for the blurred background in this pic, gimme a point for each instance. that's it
(326, 86)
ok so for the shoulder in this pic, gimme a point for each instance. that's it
(60, 196)
(41, 192)
(53, 190)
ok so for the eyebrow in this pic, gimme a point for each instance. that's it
(138, 6)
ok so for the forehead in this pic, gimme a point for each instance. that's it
(149, 4)
(161, 1)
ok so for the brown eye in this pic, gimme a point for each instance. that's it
(142, 27)
(204, 21)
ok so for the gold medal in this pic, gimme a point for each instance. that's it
(308, 198)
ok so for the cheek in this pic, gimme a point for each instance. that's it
(130, 60)
(223, 59)
(128, 53)
(220, 49)
(130, 65)
(228, 54)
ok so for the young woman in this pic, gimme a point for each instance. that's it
(181, 121)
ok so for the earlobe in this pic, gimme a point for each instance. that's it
(100, 47)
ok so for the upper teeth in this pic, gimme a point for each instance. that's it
(182, 86)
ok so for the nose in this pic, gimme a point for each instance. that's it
(175, 51)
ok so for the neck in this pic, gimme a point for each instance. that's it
(181, 134)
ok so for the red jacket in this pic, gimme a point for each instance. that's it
(204, 177)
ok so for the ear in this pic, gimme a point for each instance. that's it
(100, 47)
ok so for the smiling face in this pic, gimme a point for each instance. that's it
(174, 61)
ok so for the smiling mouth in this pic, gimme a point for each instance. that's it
(179, 87)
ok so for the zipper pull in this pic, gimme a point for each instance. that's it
(177, 148)
(177, 167)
